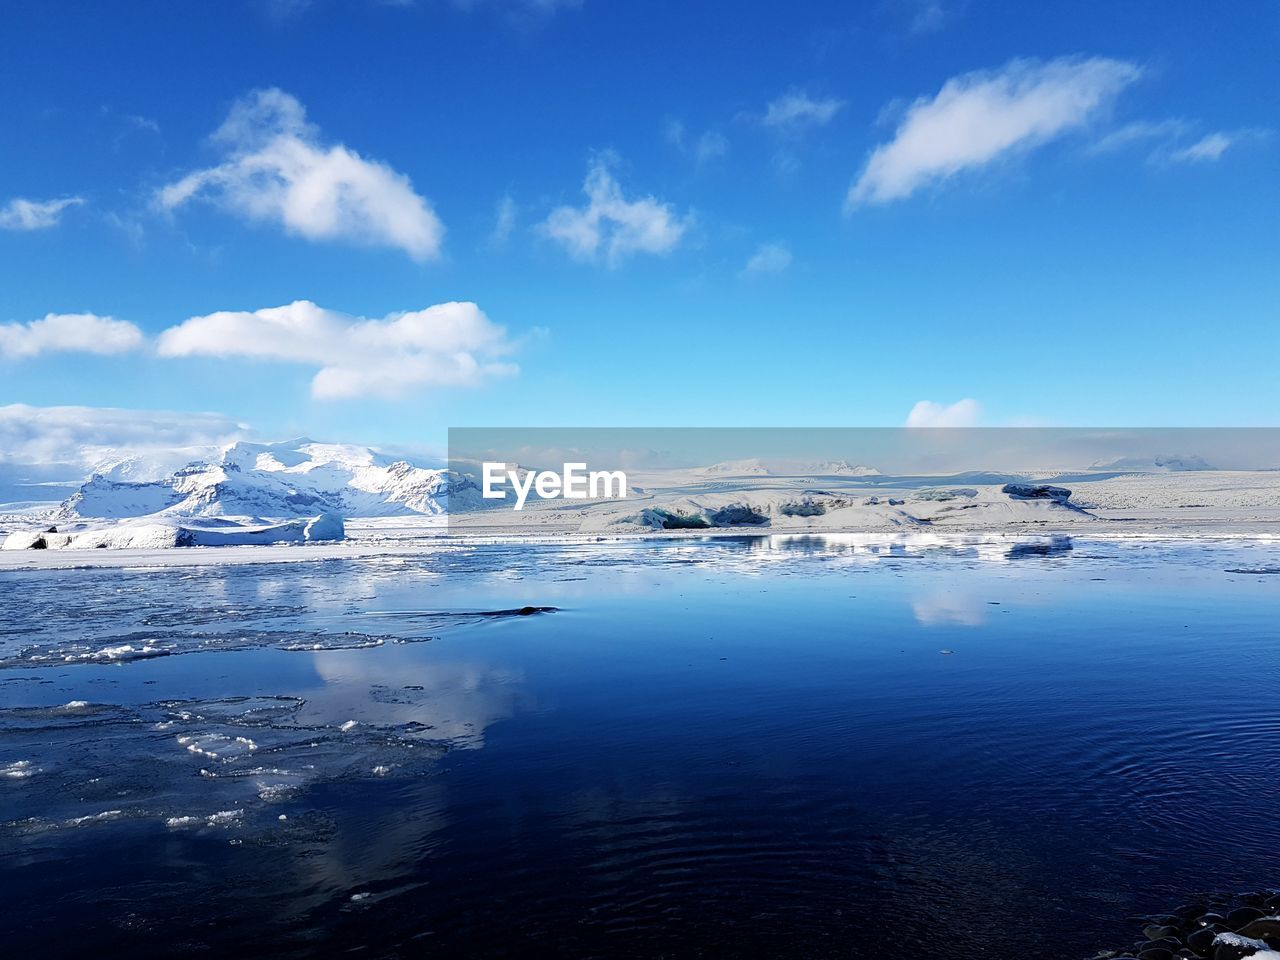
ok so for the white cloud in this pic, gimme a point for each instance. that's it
(83, 439)
(21, 214)
(1211, 147)
(611, 224)
(795, 111)
(69, 332)
(768, 258)
(278, 170)
(962, 413)
(449, 344)
(978, 117)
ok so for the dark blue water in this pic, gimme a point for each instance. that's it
(769, 746)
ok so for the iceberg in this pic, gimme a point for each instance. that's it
(163, 533)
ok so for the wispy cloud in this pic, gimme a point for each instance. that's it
(278, 170)
(69, 333)
(1210, 147)
(768, 258)
(979, 117)
(610, 224)
(922, 17)
(1140, 132)
(703, 148)
(1175, 140)
(449, 344)
(929, 16)
(709, 145)
(504, 221)
(795, 111)
(22, 214)
(126, 124)
(962, 413)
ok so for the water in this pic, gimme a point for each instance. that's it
(768, 746)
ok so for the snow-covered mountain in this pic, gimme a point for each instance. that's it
(754, 467)
(1164, 464)
(837, 468)
(294, 478)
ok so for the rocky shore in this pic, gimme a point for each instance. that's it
(1212, 928)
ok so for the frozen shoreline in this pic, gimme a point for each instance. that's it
(365, 544)
(1209, 506)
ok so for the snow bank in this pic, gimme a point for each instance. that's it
(1244, 947)
(24, 540)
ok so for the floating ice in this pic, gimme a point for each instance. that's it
(216, 746)
(121, 652)
(145, 645)
(95, 817)
(328, 643)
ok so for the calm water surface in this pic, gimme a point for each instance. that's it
(768, 746)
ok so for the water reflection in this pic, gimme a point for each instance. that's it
(452, 702)
(944, 606)
(732, 746)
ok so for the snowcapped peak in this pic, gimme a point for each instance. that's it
(301, 454)
(290, 478)
(737, 468)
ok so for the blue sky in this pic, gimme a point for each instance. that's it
(799, 214)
